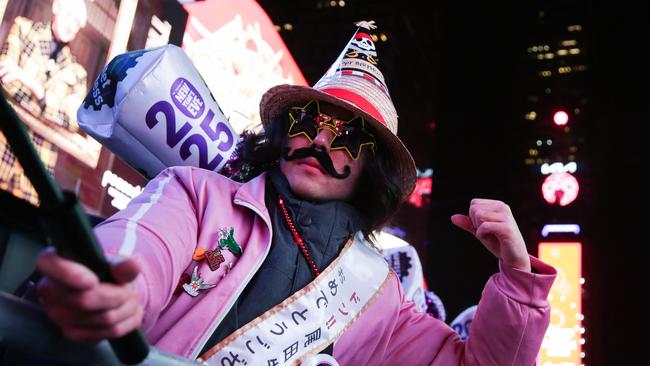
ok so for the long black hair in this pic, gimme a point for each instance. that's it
(379, 192)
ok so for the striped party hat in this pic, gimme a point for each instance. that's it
(353, 82)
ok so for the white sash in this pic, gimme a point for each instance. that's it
(312, 318)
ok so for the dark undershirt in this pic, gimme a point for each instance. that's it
(324, 226)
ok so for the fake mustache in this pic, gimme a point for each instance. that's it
(323, 159)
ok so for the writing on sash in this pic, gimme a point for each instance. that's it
(330, 305)
(312, 318)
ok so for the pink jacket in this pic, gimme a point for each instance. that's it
(184, 208)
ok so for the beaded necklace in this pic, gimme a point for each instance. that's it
(296, 237)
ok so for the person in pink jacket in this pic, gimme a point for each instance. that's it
(278, 265)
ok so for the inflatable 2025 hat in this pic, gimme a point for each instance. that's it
(353, 82)
(153, 110)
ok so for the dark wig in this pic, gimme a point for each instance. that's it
(379, 191)
(257, 152)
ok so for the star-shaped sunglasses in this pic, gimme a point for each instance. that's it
(350, 136)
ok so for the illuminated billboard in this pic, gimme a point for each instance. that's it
(52, 50)
(233, 44)
(563, 339)
(240, 55)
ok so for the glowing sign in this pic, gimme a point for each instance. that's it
(121, 190)
(560, 188)
(559, 168)
(562, 341)
(419, 196)
(561, 118)
(560, 228)
(239, 54)
(422, 189)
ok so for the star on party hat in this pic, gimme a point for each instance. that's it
(354, 82)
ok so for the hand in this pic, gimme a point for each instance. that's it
(85, 309)
(10, 72)
(492, 223)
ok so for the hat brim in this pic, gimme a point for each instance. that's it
(277, 101)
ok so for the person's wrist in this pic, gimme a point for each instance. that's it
(517, 257)
(522, 264)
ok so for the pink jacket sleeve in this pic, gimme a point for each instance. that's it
(159, 229)
(508, 327)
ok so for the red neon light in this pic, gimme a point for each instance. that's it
(422, 190)
(560, 188)
(560, 118)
